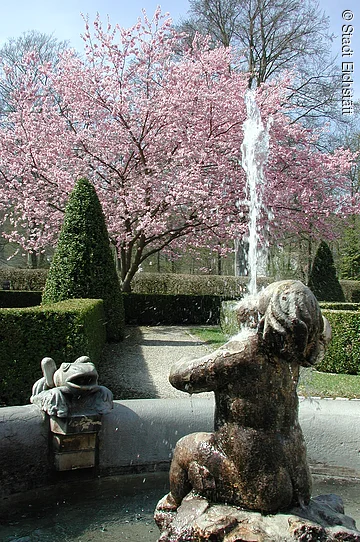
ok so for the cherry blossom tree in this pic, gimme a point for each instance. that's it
(47, 49)
(158, 132)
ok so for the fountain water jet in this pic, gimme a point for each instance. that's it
(225, 484)
(255, 150)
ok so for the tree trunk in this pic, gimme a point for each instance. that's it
(219, 264)
(241, 251)
(32, 261)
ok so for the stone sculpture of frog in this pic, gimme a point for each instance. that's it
(71, 388)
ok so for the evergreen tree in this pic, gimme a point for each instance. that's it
(323, 280)
(83, 265)
(350, 251)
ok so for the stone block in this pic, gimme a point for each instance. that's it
(75, 424)
(74, 460)
(74, 443)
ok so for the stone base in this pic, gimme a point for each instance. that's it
(75, 441)
(323, 520)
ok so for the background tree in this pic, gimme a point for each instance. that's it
(323, 280)
(159, 136)
(349, 230)
(43, 48)
(83, 264)
(46, 49)
(274, 36)
(350, 253)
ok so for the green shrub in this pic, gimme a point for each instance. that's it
(63, 331)
(351, 289)
(339, 306)
(343, 353)
(171, 283)
(350, 249)
(24, 279)
(168, 310)
(228, 320)
(14, 299)
(83, 265)
(155, 283)
(323, 281)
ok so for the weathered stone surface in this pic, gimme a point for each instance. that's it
(197, 520)
(72, 389)
(84, 459)
(255, 460)
(247, 533)
(179, 518)
(74, 441)
(75, 424)
(218, 521)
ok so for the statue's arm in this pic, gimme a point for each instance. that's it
(213, 370)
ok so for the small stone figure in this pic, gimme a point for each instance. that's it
(256, 458)
(71, 389)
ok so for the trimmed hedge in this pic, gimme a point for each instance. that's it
(339, 306)
(15, 300)
(64, 331)
(343, 352)
(169, 310)
(171, 283)
(24, 279)
(323, 281)
(168, 283)
(351, 289)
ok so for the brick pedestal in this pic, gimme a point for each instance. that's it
(75, 441)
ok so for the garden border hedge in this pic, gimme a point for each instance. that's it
(167, 283)
(343, 353)
(15, 299)
(63, 331)
(170, 310)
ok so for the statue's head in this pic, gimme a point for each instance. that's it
(289, 320)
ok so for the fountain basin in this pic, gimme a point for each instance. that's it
(139, 436)
(114, 508)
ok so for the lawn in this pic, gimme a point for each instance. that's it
(312, 383)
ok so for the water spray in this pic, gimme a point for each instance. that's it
(255, 151)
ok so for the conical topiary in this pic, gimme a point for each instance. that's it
(83, 265)
(323, 281)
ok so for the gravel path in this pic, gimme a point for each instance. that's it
(138, 367)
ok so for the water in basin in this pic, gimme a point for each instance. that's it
(115, 509)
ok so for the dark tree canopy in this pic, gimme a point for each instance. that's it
(83, 265)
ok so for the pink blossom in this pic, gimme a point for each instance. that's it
(158, 131)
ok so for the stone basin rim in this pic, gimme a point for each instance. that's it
(139, 435)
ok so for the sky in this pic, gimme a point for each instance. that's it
(62, 18)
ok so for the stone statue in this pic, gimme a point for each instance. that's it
(256, 457)
(71, 389)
